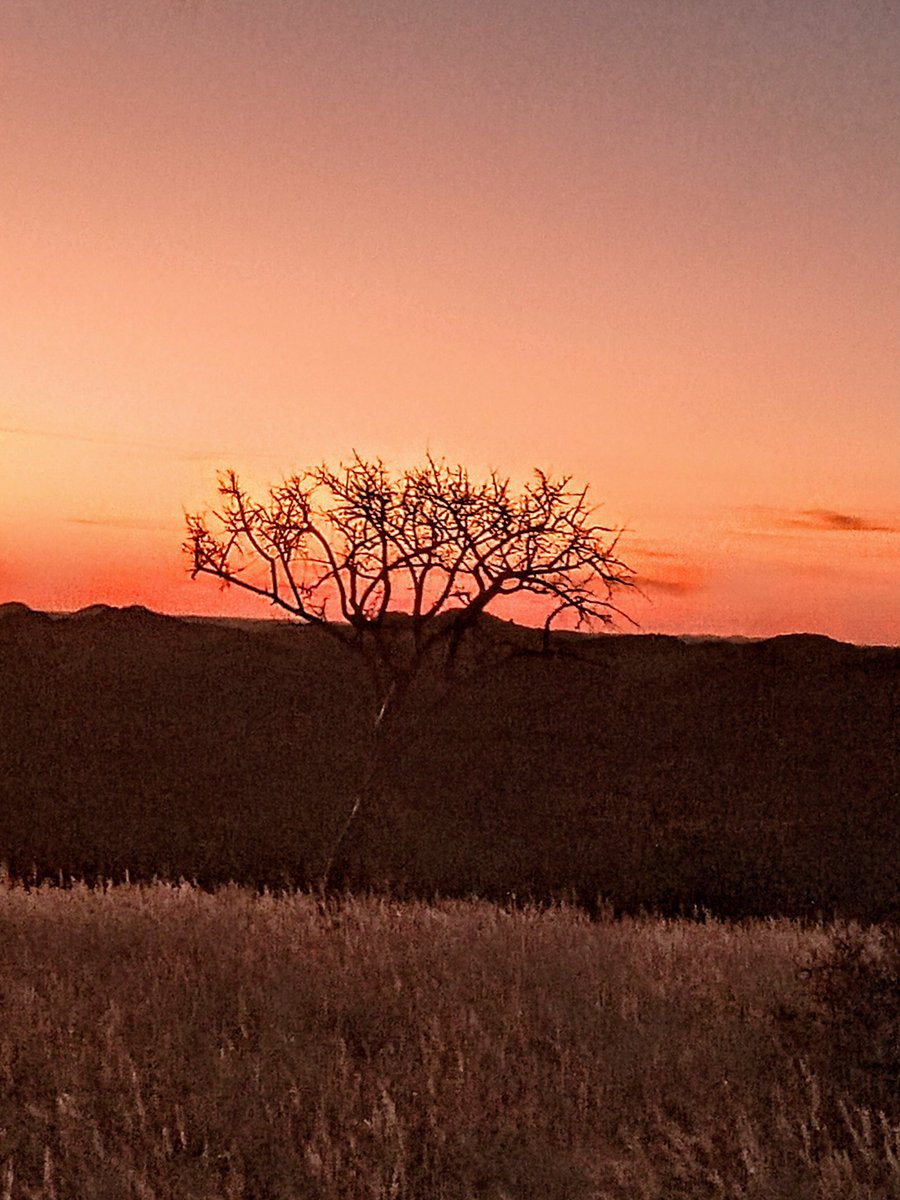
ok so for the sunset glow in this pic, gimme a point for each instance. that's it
(652, 245)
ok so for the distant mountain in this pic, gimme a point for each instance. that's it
(132, 613)
(16, 611)
(757, 776)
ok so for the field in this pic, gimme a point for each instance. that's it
(167, 1042)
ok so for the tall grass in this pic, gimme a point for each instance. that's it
(161, 1042)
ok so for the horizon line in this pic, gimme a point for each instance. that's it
(55, 614)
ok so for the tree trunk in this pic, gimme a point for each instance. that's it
(372, 781)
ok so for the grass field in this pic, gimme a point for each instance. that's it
(162, 1042)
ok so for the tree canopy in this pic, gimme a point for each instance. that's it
(344, 548)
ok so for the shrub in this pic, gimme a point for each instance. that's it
(855, 985)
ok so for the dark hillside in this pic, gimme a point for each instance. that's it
(746, 777)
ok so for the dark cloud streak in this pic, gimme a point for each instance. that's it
(827, 520)
(762, 521)
(151, 448)
(59, 435)
(124, 523)
(672, 587)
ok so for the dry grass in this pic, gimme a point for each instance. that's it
(161, 1042)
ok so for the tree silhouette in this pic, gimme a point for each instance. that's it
(346, 550)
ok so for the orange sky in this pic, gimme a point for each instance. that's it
(655, 245)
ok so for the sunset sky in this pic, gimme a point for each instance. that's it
(651, 243)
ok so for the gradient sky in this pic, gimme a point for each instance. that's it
(653, 244)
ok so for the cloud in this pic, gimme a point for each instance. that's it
(672, 587)
(759, 520)
(60, 435)
(153, 448)
(124, 523)
(638, 548)
(663, 570)
(830, 521)
(129, 445)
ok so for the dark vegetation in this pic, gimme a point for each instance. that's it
(755, 778)
(854, 980)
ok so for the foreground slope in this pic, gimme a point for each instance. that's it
(747, 777)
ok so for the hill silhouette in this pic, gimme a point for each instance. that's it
(743, 777)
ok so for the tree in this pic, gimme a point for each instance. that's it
(346, 550)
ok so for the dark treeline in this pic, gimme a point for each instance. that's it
(754, 778)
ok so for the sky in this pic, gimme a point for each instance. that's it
(653, 245)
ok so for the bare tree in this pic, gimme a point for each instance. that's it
(344, 550)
